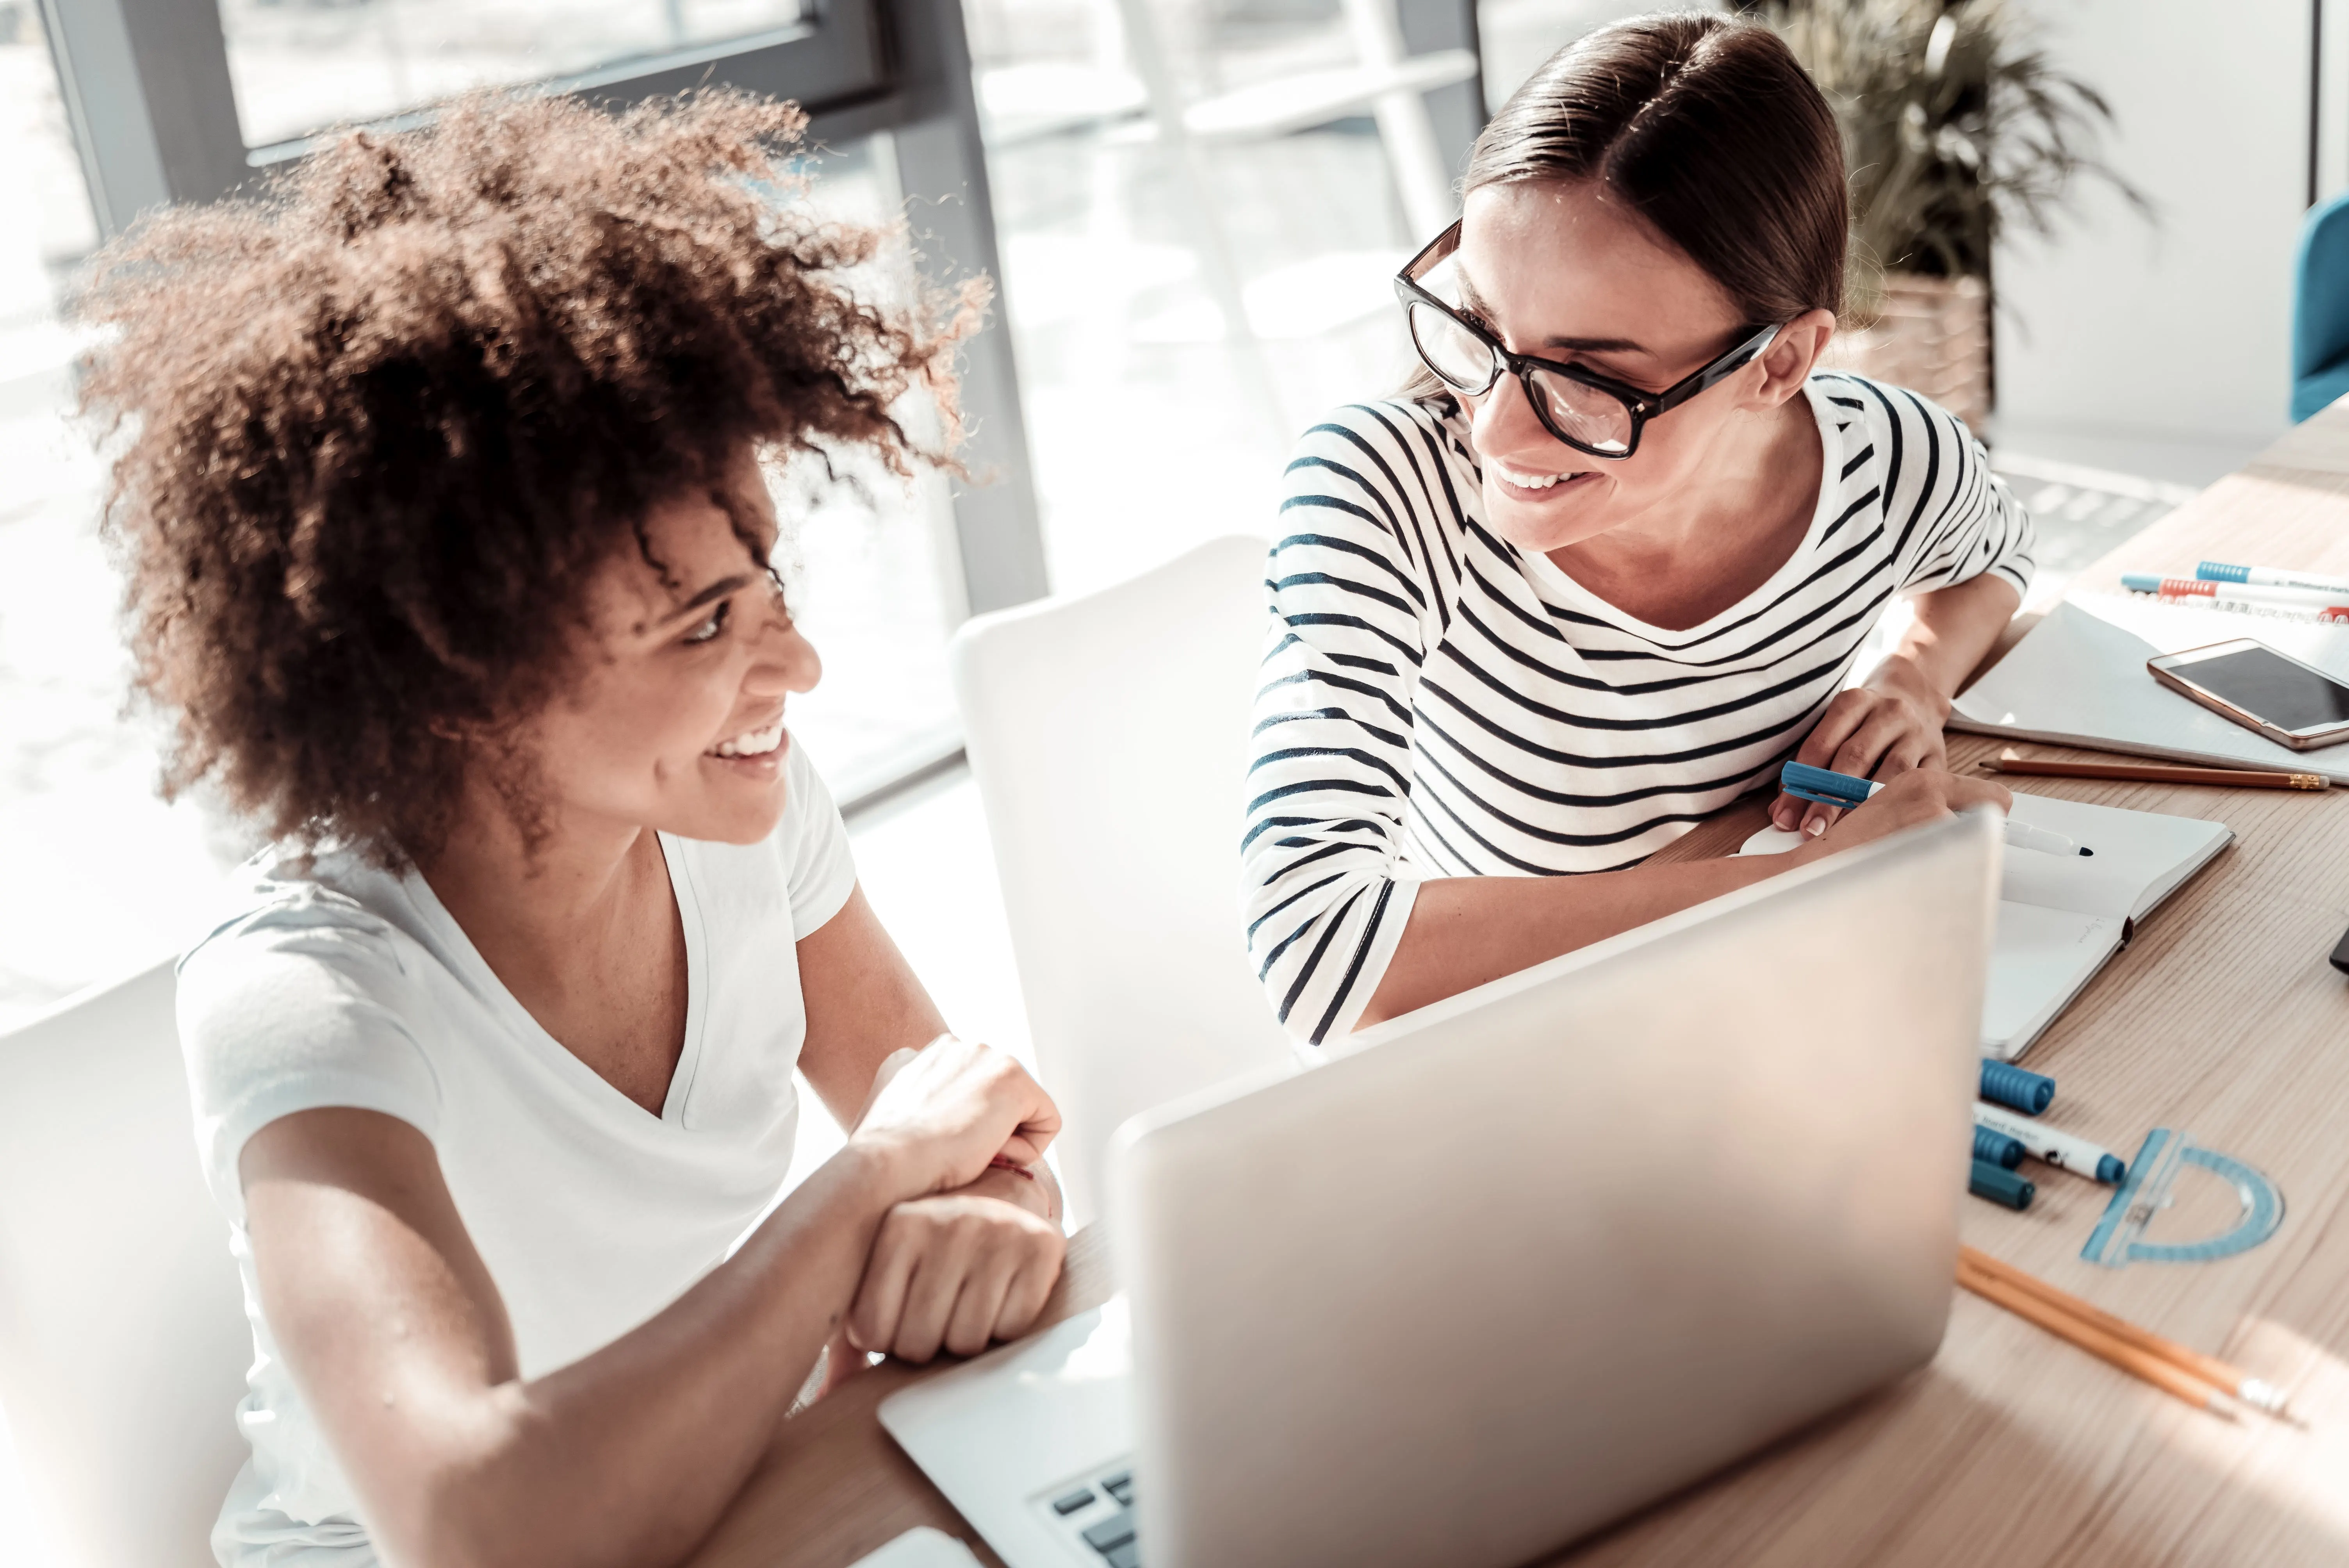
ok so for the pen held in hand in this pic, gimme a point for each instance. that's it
(1825, 787)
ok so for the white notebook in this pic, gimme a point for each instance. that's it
(2060, 916)
(2078, 678)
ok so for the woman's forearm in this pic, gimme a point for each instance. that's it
(1954, 627)
(629, 1455)
(1464, 931)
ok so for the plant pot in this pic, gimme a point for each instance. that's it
(1928, 335)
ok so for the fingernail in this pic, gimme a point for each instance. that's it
(1815, 826)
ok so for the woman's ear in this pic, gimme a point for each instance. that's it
(1793, 354)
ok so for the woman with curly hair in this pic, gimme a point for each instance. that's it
(440, 491)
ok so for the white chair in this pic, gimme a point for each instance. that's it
(1108, 733)
(123, 1342)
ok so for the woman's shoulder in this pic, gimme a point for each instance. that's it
(1387, 476)
(306, 992)
(333, 902)
(1894, 417)
(1387, 431)
(296, 932)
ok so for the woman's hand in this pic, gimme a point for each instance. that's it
(938, 1115)
(1888, 727)
(959, 1270)
(1920, 796)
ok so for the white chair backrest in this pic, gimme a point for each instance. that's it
(1108, 733)
(123, 1342)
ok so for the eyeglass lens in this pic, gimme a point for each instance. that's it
(1456, 354)
(1469, 364)
(1583, 416)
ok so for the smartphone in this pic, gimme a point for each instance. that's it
(2291, 703)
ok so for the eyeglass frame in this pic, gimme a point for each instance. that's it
(1640, 406)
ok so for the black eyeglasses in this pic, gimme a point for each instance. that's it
(1589, 412)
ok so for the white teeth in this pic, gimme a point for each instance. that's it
(753, 743)
(1529, 482)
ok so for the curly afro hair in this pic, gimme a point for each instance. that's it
(381, 424)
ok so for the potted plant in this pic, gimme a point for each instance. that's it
(1956, 131)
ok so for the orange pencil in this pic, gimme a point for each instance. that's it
(2227, 1378)
(2012, 761)
(2170, 1379)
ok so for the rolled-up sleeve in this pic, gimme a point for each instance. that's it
(1328, 779)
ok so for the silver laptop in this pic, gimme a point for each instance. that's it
(1513, 1265)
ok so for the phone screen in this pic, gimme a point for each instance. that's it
(2264, 683)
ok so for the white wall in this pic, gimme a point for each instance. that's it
(2115, 333)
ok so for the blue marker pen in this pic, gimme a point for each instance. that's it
(1828, 788)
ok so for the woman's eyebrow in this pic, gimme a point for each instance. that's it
(716, 591)
(1475, 302)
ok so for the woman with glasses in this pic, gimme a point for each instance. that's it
(1611, 561)
(447, 533)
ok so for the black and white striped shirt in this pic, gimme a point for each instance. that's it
(1437, 703)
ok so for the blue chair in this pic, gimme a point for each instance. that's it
(2320, 310)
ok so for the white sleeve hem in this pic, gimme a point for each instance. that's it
(224, 1136)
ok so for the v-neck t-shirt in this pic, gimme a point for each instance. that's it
(339, 983)
(1436, 702)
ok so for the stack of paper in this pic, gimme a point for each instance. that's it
(2079, 678)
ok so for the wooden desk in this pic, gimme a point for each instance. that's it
(2222, 1018)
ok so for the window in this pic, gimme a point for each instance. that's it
(297, 66)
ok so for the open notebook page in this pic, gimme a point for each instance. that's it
(2141, 857)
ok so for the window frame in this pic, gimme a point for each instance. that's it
(146, 87)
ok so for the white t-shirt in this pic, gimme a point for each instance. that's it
(346, 986)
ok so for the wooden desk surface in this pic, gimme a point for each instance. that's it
(2222, 1020)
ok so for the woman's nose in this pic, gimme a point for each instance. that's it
(1504, 421)
(784, 660)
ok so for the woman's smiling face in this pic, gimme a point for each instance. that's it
(676, 719)
(1568, 273)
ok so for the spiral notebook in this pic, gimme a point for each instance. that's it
(2061, 917)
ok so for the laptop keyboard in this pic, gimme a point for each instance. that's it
(1099, 1512)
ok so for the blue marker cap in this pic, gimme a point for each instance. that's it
(2005, 1084)
(2002, 1187)
(1997, 1149)
(1822, 784)
(2220, 572)
(2141, 581)
(2111, 1168)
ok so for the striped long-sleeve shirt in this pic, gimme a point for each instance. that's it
(1438, 703)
